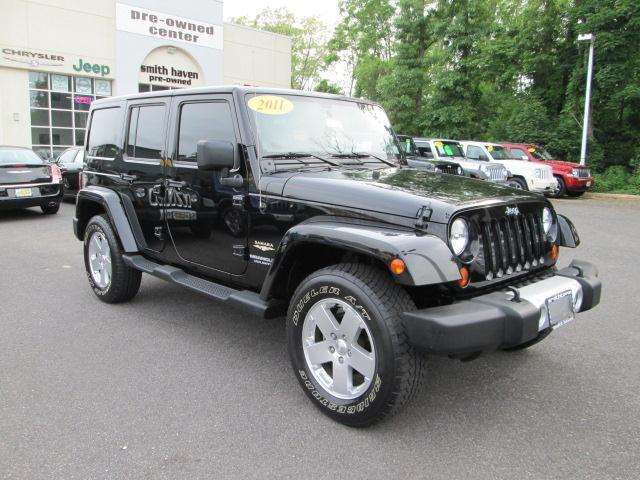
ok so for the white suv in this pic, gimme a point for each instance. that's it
(525, 175)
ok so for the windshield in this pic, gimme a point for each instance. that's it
(448, 149)
(540, 153)
(320, 126)
(408, 145)
(499, 153)
(19, 156)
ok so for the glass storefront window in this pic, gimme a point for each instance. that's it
(103, 87)
(61, 119)
(61, 100)
(59, 106)
(60, 83)
(38, 80)
(39, 117)
(83, 85)
(39, 99)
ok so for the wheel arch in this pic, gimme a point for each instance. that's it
(310, 246)
(95, 200)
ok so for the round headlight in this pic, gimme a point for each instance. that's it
(459, 236)
(547, 220)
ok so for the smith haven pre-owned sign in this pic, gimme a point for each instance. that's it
(161, 25)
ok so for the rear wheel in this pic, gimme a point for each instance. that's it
(575, 194)
(110, 278)
(50, 209)
(518, 184)
(347, 344)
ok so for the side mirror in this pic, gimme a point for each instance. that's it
(524, 157)
(216, 155)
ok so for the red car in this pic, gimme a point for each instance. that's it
(573, 179)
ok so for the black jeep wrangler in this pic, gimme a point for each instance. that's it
(301, 204)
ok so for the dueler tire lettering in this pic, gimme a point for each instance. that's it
(125, 281)
(379, 302)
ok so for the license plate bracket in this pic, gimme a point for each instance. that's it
(23, 192)
(560, 309)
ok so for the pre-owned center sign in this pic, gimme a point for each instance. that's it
(161, 25)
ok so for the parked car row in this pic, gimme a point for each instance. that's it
(521, 166)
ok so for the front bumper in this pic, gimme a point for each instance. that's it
(543, 184)
(500, 319)
(579, 184)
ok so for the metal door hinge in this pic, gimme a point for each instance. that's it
(241, 251)
(158, 232)
(238, 201)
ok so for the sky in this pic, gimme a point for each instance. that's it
(325, 10)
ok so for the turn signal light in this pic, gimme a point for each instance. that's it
(397, 266)
(56, 174)
(465, 277)
(554, 252)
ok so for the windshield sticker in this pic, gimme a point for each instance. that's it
(448, 150)
(438, 144)
(270, 105)
(531, 150)
(490, 148)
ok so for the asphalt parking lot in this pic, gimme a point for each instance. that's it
(172, 385)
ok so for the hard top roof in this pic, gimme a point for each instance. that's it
(239, 89)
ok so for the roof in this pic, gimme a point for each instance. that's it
(240, 89)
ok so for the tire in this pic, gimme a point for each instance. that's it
(518, 184)
(560, 190)
(541, 336)
(122, 282)
(50, 209)
(385, 370)
(575, 194)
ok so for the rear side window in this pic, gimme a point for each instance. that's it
(518, 153)
(103, 133)
(203, 121)
(145, 138)
(474, 152)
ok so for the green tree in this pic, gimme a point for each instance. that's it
(326, 86)
(308, 42)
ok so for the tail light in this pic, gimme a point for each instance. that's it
(80, 181)
(56, 174)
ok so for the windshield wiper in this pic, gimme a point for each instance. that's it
(300, 155)
(363, 155)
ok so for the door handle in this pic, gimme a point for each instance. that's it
(174, 183)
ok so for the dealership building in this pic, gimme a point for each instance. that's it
(57, 56)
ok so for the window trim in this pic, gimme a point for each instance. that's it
(87, 134)
(176, 153)
(134, 159)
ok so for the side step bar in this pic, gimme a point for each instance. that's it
(244, 299)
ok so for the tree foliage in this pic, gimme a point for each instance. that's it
(308, 42)
(500, 70)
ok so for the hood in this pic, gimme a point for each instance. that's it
(393, 191)
(562, 164)
(20, 173)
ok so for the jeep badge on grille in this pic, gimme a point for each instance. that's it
(512, 211)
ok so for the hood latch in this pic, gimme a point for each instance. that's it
(423, 216)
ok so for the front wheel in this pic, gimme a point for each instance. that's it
(518, 184)
(347, 344)
(560, 189)
(111, 279)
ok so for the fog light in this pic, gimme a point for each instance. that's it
(464, 274)
(397, 266)
(555, 250)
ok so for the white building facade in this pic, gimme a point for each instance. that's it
(57, 56)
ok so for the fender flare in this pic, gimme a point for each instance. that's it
(116, 208)
(567, 234)
(428, 259)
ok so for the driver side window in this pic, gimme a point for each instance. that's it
(475, 153)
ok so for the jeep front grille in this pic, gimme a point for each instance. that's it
(450, 169)
(511, 244)
(583, 172)
(496, 173)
